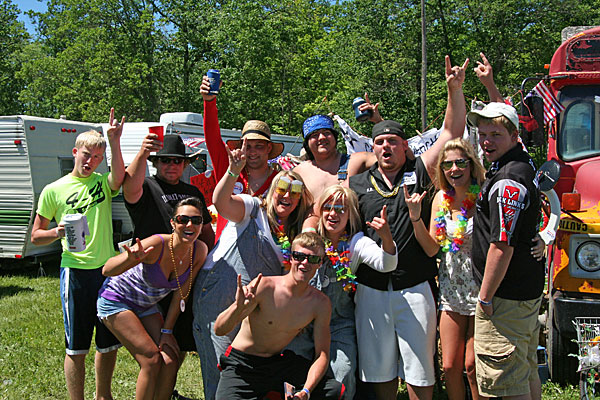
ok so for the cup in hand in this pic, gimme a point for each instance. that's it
(76, 227)
(158, 130)
(214, 76)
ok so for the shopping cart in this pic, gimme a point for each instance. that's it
(588, 340)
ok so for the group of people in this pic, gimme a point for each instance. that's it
(321, 281)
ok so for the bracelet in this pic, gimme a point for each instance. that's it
(414, 220)
(485, 303)
(167, 331)
(305, 390)
(309, 229)
(232, 174)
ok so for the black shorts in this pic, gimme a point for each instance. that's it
(183, 326)
(245, 376)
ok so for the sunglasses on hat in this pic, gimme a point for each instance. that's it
(312, 258)
(184, 219)
(284, 184)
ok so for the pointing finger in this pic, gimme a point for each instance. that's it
(112, 116)
(384, 213)
(465, 64)
(406, 197)
(367, 98)
(244, 146)
(448, 65)
(484, 58)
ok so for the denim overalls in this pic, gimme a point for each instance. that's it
(215, 290)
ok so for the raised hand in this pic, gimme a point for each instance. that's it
(237, 158)
(205, 88)
(151, 143)
(137, 252)
(455, 76)
(381, 226)
(413, 202)
(115, 128)
(484, 71)
(245, 296)
(375, 115)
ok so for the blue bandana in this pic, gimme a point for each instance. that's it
(317, 122)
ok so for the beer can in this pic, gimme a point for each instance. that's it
(214, 76)
(361, 116)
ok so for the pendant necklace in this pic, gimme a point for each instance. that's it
(182, 301)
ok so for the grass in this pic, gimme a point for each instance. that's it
(32, 347)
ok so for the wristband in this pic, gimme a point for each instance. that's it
(414, 220)
(167, 331)
(309, 229)
(305, 390)
(485, 303)
(232, 174)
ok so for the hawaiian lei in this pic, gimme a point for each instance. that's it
(441, 235)
(341, 263)
(284, 245)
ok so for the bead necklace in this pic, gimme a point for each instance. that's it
(341, 263)
(441, 235)
(381, 192)
(284, 245)
(182, 302)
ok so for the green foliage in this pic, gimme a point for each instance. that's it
(279, 59)
(13, 39)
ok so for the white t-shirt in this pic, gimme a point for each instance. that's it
(232, 230)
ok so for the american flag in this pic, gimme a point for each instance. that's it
(552, 106)
(192, 142)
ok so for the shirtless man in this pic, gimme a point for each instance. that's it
(325, 166)
(273, 310)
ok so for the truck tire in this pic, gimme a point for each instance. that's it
(563, 368)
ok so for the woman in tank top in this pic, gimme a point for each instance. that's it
(138, 279)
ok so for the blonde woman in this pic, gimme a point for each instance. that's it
(257, 239)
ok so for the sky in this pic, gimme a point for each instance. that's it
(25, 5)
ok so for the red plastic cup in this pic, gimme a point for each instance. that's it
(158, 130)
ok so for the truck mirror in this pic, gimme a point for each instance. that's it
(548, 175)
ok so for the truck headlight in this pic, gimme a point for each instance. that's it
(588, 256)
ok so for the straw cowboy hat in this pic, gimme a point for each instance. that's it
(258, 130)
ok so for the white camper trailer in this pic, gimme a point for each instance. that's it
(33, 152)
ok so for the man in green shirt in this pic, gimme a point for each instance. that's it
(85, 192)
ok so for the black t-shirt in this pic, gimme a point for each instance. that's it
(145, 214)
(508, 210)
(414, 266)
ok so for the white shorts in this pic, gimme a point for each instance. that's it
(396, 334)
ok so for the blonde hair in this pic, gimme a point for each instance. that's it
(501, 120)
(297, 216)
(477, 170)
(310, 240)
(91, 138)
(335, 193)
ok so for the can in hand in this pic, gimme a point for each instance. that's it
(361, 116)
(214, 76)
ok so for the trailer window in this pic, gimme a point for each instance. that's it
(579, 132)
(66, 165)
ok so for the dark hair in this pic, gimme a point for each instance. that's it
(188, 201)
(309, 155)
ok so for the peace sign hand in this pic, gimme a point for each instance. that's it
(115, 128)
(137, 253)
(455, 76)
(237, 158)
(413, 202)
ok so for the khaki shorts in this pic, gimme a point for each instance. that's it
(505, 347)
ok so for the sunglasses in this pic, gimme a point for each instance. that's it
(169, 160)
(460, 163)
(312, 258)
(338, 208)
(284, 184)
(184, 219)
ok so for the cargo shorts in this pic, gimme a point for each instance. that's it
(505, 347)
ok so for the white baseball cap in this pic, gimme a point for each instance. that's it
(493, 110)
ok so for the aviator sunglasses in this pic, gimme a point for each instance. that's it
(169, 160)
(184, 219)
(284, 184)
(312, 258)
(460, 163)
(338, 208)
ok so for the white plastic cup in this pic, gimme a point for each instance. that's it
(76, 227)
